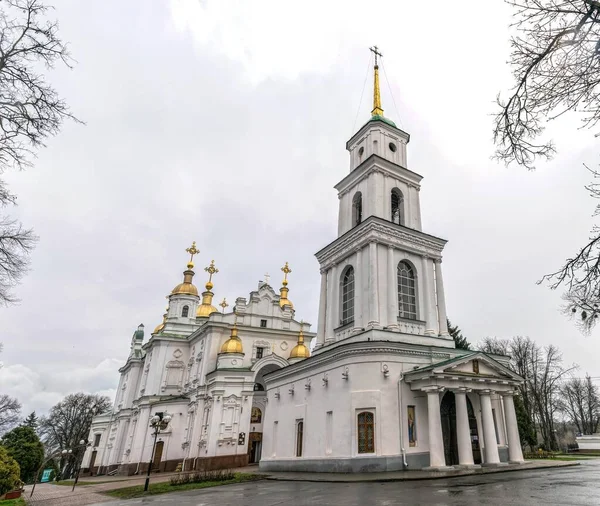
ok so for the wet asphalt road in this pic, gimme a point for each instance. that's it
(578, 485)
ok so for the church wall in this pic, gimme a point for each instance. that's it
(365, 389)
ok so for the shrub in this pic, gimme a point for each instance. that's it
(202, 476)
(23, 445)
(9, 472)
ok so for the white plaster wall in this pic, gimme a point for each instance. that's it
(366, 388)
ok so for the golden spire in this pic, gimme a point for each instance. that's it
(377, 110)
(283, 299)
(224, 304)
(206, 308)
(192, 250)
(187, 288)
(300, 350)
(234, 343)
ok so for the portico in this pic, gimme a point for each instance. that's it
(484, 383)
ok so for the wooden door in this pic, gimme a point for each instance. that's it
(93, 461)
(158, 451)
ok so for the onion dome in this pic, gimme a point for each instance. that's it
(234, 343)
(161, 325)
(283, 298)
(300, 350)
(187, 288)
(206, 308)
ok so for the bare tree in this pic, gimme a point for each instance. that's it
(10, 412)
(542, 371)
(556, 69)
(580, 401)
(30, 112)
(555, 61)
(69, 422)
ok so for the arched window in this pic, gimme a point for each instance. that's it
(299, 437)
(407, 294)
(357, 209)
(397, 207)
(347, 296)
(185, 311)
(366, 432)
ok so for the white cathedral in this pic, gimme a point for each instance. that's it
(385, 389)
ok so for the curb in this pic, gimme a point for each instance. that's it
(436, 476)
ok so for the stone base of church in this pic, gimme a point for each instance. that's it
(220, 462)
(347, 465)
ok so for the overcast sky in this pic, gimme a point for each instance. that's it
(225, 122)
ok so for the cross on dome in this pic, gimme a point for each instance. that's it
(192, 250)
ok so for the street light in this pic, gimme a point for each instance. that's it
(158, 422)
(79, 460)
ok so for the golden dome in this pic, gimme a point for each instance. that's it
(161, 325)
(186, 288)
(234, 343)
(300, 350)
(205, 310)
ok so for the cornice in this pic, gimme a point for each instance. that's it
(377, 125)
(376, 163)
(363, 348)
(377, 230)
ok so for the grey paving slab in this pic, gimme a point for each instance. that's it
(576, 486)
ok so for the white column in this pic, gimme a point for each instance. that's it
(441, 299)
(322, 310)
(373, 287)
(463, 432)
(331, 304)
(436, 442)
(429, 299)
(358, 293)
(392, 296)
(489, 431)
(515, 453)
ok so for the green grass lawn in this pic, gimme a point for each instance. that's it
(13, 502)
(165, 487)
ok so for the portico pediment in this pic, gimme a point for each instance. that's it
(475, 368)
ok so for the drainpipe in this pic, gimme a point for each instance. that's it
(401, 419)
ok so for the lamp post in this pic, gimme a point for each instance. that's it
(158, 422)
(82, 444)
(65, 455)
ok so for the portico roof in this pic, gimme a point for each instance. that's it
(474, 370)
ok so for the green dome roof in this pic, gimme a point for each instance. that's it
(377, 117)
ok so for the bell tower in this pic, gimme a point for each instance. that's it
(382, 272)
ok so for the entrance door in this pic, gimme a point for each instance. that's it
(448, 413)
(93, 461)
(158, 451)
(255, 447)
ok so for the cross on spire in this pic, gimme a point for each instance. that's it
(376, 52)
(286, 270)
(211, 269)
(377, 109)
(192, 250)
(267, 276)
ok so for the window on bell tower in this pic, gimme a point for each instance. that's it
(347, 296)
(397, 207)
(185, 311)
(357, 209)
(407, 292)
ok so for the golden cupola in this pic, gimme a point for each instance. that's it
(187, 287)
(283, 299)
(206, 308)
(234, 343)
(300, 351)
(161, 325)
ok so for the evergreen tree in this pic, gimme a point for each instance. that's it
(24, 445)
(9, 472)
(31, 421)
(459, 340)
(525, 423)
